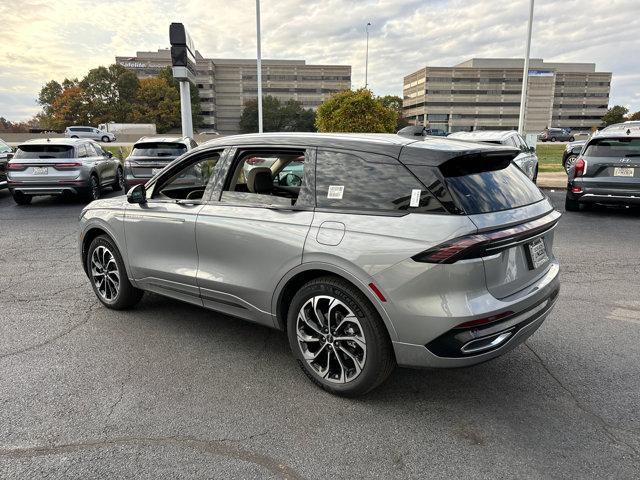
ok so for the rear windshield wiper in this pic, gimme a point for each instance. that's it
(46, 156)
(632, 155)
(165, 154)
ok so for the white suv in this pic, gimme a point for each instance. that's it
(89, 132)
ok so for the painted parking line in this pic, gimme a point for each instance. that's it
(627, 312)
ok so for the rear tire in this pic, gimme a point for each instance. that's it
(119, 181)
(108, 275)
(355, 355)
(94, 189)
(74, 136)
(553, 139)
(572, 139)
(571, 205)
(21, 199)
(568, 163)
(105, 139)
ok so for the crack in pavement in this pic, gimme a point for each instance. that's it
(606, 428)
(214, 447)
(86, 318)
(117, 402)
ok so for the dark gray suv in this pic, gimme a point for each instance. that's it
(368, 250)
(150, 155)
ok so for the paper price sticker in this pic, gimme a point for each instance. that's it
(335, 192)
(415, 198)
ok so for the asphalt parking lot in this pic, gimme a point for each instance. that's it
(169, 390)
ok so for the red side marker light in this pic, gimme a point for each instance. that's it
(378, 293)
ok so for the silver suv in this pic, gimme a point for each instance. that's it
(89, 132)
(368, 250)
(149, 155)
(57, 166)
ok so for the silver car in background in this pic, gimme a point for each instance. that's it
(527, 159)
(389, 250)
(90, 133)
(57, 166)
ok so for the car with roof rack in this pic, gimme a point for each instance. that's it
(150, 155)
(607, 170)
(527, 159)
(61, 166)
(422, 252)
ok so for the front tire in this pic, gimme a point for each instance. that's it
(108, 276)
(535, 175)
(553, 139)
(338, 337)
(21, 199)
(572, 139)
(571, 205)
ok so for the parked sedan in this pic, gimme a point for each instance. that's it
(425, 253)
(527, 159)
(607, 170)
(6, 152)
(571, 153)
(57, 166)
(150, 155)
(556, 135)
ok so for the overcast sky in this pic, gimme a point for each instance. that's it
(65, 38)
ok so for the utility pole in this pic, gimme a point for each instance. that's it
(259, 62)
(525, 73)
(366, 59)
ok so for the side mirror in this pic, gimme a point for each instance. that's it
(137, 194)
(9, 156)
(532, 149)
(108, 154)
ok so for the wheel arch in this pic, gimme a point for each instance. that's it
(95, 230)
(295, 278)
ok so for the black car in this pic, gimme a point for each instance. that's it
(571, 153)
(607, 170)
(421, 131)
(6, 152)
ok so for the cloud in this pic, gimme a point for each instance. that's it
(46, 40)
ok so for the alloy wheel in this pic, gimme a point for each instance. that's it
(331, 339)
(95, 188)
(120, 179)
(569, 163)
(105, 273)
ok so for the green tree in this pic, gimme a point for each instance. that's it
(111, 92)
(277, 116)
(196, 110)
(395, 102)
(355, 111)
(615, 115)
(157, 102)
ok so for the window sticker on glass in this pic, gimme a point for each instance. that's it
(335, 192)
(415, 198)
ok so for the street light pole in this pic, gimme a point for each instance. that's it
(259, 66)
(525, 72)
(366, 60)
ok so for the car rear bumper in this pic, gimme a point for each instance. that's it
(465, 347)
(606, 194)
(49, 188)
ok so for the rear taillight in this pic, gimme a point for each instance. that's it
(486, 243)
(16, 167)
(579, 167)
(67, 166)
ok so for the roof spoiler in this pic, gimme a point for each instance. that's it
(478, 162)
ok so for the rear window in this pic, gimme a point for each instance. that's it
(493, 190)
(158, 149)
(613, 147)
(44, 151)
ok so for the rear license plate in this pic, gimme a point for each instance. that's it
(155, 171)
(41, 170)
(537, 253)
(623, 171)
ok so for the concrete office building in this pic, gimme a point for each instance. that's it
(226, 84)
(484, 94)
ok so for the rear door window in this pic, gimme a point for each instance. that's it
(367, 181)
(613, 147)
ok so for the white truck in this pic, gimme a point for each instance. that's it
(129, 128)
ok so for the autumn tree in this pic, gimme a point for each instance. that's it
(355, 111)
(615, 115)
(157, 102)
